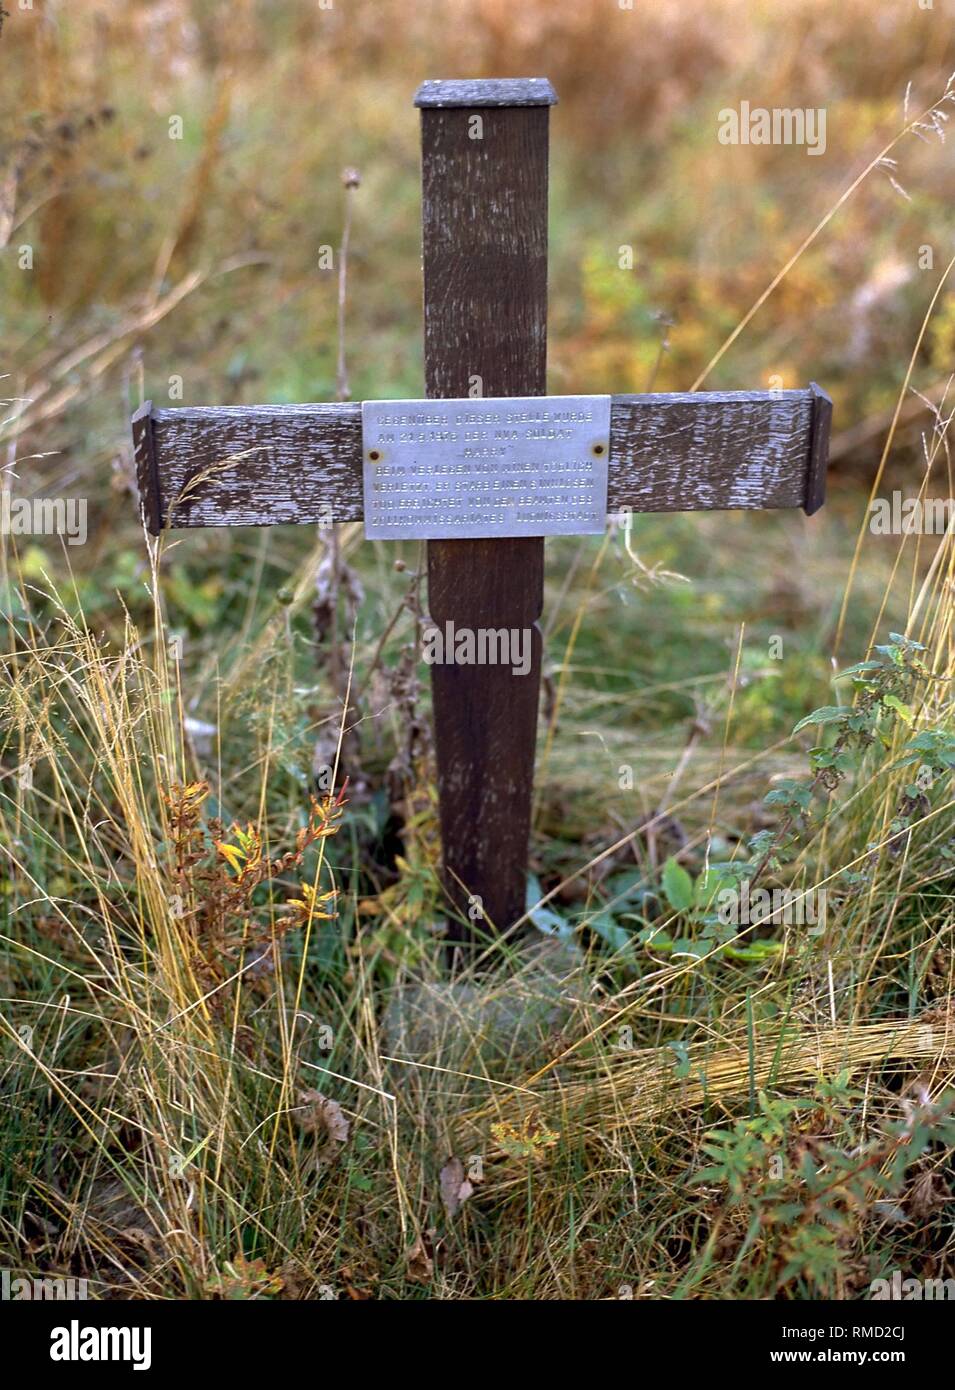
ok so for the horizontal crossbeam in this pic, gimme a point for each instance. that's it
(264, 465)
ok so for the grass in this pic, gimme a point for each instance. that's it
(202, 1088)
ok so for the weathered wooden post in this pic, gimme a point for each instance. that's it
(484, 237)
(480, 475)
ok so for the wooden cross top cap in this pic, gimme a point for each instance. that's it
(487, 91)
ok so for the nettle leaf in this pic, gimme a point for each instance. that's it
(761, 843)
(790, 793)
(740, 871)
(656, 938)
(625, 886)
(935, 746)
(826, 714)
(678, 886)
(893, 652)
(861, 668)
(685, 946)
(908, 642)
(544, 918)
(712, 925)
(711, 882)
(894, 703)
(610, 931)
(825, 757)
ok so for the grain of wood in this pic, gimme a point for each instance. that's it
(484, 240)
(302, 463)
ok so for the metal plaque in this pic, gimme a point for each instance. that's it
(505, 466)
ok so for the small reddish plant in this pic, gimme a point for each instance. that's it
(217, 872)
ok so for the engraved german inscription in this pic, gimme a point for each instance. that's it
(503, 466)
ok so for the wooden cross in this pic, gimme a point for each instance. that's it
(484, 178)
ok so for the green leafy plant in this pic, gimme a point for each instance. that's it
(796, 1199)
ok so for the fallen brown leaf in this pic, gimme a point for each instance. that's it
(928, 1191)
(455, 1187)
(419, 1262)
(319, 1115)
